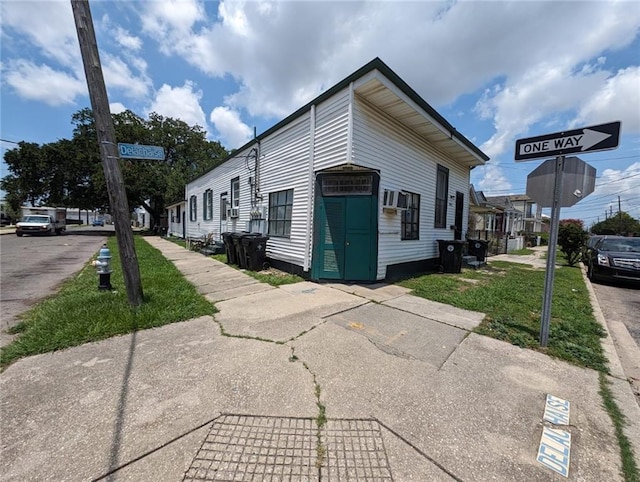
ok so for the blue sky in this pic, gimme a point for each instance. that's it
(497, 71)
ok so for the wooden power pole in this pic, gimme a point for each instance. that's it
(108, 150)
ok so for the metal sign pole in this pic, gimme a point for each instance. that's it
(551, 253)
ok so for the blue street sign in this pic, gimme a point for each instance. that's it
(139, 151)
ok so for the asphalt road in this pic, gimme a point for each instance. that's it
(32, 268)
(622, 303)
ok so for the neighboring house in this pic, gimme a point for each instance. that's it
(483, 217)
(141, 218)
(176, 219)
(509, 224)
(356, 185)
(532, 213)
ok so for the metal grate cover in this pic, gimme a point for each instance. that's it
(257, 448)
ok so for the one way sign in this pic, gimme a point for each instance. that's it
(586, 139)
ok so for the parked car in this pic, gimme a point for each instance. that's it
(591, 242)
(98, 222)
(615, 258)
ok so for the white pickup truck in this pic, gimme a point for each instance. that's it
(43, 220)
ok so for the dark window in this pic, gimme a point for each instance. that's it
(223, 206)
(193, 208)
(178, 214)
(411, 217)
(339, 185)
(280, 208)
(442, 188)
(207, 205)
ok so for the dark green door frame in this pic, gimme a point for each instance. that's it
(345, 233)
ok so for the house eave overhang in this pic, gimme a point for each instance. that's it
(394, 97)
(407, 106)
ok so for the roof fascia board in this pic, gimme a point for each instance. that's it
(448, 130)
(371, 67)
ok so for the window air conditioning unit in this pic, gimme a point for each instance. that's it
(394, 200)
(233, 213)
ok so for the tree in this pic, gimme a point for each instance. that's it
(621, 223)
(68, 172)
(571, 239)
(153, 184)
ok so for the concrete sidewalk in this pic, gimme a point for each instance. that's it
(303, 382)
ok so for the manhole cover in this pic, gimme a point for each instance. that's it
(255, 448)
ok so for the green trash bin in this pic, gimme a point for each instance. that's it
(450, 255)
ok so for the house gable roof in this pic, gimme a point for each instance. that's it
(447, 134)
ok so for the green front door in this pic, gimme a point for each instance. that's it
(345, 246)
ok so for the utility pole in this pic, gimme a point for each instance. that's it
(108, 149)
(619, 217)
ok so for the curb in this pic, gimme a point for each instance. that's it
(622, 389)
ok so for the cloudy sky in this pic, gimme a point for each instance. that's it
(496, 70)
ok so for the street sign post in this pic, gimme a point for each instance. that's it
(140, 151)
(572, 173)
(586, 139)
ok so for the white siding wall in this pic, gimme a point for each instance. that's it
(404, 160)
(219, 181)
(408, 163)
(284, 164)
(332, 123)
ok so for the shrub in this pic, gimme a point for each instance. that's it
(571, 239)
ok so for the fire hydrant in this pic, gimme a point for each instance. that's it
(103, 268)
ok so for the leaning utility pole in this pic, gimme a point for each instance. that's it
(108, 149)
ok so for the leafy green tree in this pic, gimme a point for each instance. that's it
(621, 223)
(571, 239)
(153, 184)
(28, 169)
(69, 172)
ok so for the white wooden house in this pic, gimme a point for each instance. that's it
(176, 219)
(357, 185)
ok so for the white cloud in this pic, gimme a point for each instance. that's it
(494, 181)
(540, 93)
(614, 181)
(49, 26)
(42, 83)
(116, 107)
(170, 21)
(118, 75)
(616, 99)
(284, 53)
(180, 103)
(125, 39)
(233, 132)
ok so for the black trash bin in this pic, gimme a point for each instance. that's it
(236, 239)
(242, 248)
(450, 255)
(229, 248)
(478, 248)
(255, 249)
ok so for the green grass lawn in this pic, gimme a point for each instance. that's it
(511, 296)
(79, 313)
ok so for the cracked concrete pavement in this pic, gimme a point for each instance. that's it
(450, 404)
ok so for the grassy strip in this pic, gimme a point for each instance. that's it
(511, 295)
(522, 252)
(629, 467)
(79, 313)
(270, 276)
